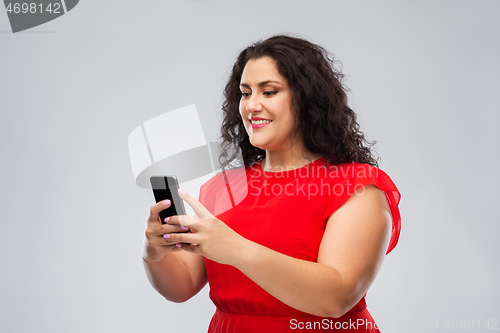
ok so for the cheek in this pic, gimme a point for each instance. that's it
(288, 123)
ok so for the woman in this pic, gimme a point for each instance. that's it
(303, 247)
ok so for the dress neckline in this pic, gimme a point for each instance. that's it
(285, 173)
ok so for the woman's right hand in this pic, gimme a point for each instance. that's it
(156, 243)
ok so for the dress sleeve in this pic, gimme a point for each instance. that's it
(205, 198)
(346, 179)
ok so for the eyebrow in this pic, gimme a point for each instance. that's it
(261, 84)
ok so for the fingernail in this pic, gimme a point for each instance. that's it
(166, 219)
(184, 228)
(181, 191)
(166, 202)
(178, 244)
(166, 236)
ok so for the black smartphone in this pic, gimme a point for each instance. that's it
(165, 187)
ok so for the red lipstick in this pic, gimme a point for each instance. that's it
(258, 122)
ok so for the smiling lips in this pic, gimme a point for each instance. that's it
(259, 122)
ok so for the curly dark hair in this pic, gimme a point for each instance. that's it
(323, 118)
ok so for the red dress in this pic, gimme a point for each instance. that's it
(272, 214)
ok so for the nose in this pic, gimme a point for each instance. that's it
(253, 104)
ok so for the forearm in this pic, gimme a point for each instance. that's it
(171, 277)
(351, 252)
(307, 286)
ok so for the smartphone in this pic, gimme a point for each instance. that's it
(165, 187)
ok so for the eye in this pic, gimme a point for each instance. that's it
(270, 93)
(245, 95)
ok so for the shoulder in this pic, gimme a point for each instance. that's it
(227, 177)
(356, 175)
(351, 171)
(370, 184)
(224, 189)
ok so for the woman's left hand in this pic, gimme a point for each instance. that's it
(208, 235)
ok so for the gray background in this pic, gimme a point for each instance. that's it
(424, 79)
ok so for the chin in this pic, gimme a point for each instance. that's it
(258, 144)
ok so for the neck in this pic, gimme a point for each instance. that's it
(276, 161)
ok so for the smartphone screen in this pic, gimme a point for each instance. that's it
(165, 187)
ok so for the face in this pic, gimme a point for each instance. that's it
(265, 105)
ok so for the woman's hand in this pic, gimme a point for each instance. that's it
(208, 235)
(157, 244)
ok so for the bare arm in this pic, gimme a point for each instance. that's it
(351, 252)
(175, 274)
(350, 255)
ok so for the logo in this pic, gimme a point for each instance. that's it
(173, 143)
(26, 14)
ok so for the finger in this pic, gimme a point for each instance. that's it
(171, 248)
(161, 242)
(172, 228)
(166, 239)
(186, 237)
(158, 230)
(183, 220)
(169, 238)
(193, 248)
(198, 208)
(154, 214)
